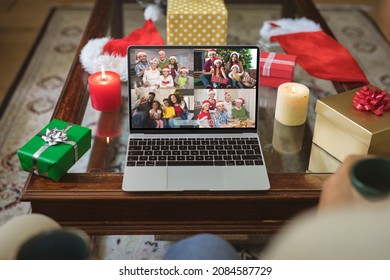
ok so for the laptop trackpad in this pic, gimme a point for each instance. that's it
(195, 178)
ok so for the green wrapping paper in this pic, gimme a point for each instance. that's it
(55, 149)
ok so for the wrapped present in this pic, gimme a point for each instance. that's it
(276, 68)
(196, 22)
(55, 149)
(343, 128)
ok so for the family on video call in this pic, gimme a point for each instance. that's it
(193, 88)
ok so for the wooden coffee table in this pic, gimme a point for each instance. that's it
(95, 202)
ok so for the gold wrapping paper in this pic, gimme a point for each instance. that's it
(196, 22)
(342, 130)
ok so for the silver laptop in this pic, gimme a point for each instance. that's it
(193, 119)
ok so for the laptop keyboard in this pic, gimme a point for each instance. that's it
(194, 152)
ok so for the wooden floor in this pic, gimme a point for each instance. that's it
(21, 21)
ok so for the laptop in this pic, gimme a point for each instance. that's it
(191, 129)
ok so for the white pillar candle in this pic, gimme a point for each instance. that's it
(291, 104)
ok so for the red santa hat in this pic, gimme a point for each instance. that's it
(166, 68)
(220, 102)
(184, 69)
(317, 52)
(212, 51)
(226, 94)
(112, 53)
(154, 59)
(204, 103)
(138, 54)
(241, 100)
(211, 91)
(235, 66)
(217, 60)
(161, 51)
(236, 53)
(172, 57)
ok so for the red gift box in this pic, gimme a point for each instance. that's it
(276, 68)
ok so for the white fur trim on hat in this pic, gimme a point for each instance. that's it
(212, 51)
(161, 51)
(172, 57)
(287, 26)
(204, 103)
(139, 53)
(152, 12)
(236, 53)
(235, 66)
(217, 60)
(166, 68)
(220, 102)
(183, 68)
(211, 91)
(92, 58)
(240, 100)
(226, 94)
(154, 59)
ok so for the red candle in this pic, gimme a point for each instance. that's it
(105, 90)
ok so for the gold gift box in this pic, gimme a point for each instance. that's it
(196, 22)
(342, 130)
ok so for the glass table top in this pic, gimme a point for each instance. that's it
(286, 149)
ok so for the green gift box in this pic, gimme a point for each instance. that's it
(55, 149)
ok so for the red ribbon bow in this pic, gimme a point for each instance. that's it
(371, 99)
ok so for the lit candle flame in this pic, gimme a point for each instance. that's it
(103, 73)
(293, 89)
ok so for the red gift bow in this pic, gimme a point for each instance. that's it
(371, 99)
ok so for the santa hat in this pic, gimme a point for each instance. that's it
(138, 54)
(211, 91)
(161, 52)
(112, 53)
(235, 66)
(166, 68)
(212, 51)
(242, 101)
(317, 52)
(220, 102)
(236, 53)
(217, 60)
(204, 103)
(183, 69)
(226, 94)
(172, 57)
(154, 60)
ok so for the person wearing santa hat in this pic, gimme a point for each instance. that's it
(208, 67)
(166, 80)
(182, 81)
(220, 117)
(151, 78)
(204, 117)
(234, 60)
(218, 74)
(236, 76)
(212, 99)
(162, 60)
(228, 104)
(142, 63)
(173, 66)
(239, 111)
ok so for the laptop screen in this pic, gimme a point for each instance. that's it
(197, 88)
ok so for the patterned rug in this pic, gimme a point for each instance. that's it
(33, 101)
